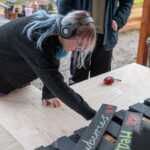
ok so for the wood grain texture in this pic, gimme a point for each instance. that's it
(33, 125)
(7, 141)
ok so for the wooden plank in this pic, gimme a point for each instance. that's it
(113, 129)
(141, 141)
(142, 55)
(7, 141)
(138, 107)
(131, 123)
(119, 116)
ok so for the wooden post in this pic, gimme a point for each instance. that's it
(142, 55)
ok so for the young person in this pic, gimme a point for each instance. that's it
(109, 16)
(31, 47)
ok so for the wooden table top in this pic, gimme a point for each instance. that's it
(29, 125)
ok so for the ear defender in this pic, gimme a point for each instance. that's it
(69, 30)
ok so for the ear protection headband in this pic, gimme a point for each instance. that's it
(69, 30)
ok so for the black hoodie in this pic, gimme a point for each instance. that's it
(21, 62)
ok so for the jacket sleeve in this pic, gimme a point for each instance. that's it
(53, 80)
(64, 6)
(123, 12)
(47, 94)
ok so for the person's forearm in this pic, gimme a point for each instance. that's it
(53, 80)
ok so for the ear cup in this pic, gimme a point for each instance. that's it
(66, 32)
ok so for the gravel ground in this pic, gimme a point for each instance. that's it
(124, 53)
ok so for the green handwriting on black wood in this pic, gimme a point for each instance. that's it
(97, 131)
(125, 140)
(132, 122)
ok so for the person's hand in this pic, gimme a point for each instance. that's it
(55, 102)
(114, 25)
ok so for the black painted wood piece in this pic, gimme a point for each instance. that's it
(96, 129)
(132, 122)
